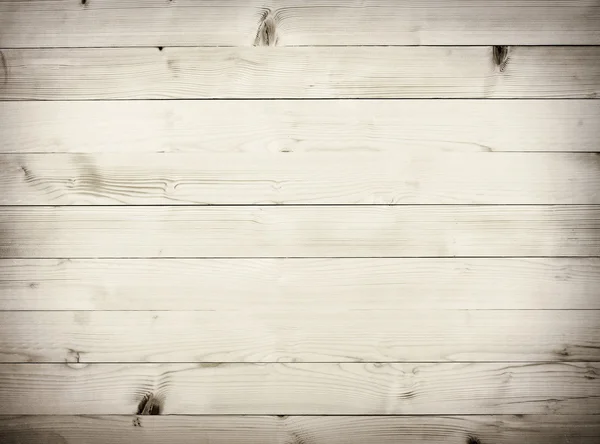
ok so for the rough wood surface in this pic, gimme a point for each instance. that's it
(308, 335)
(333, 178)
(300, 126)
(288, 389)
(323, 22)
(300, 72)
(299, 231)
(281, 284)
(113, 429)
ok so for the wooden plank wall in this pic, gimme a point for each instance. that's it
(290, 222)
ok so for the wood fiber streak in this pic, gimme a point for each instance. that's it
(300, 72)
(281, 284)
(342, 231)
(343, 127)
(309, 335)
(288, 389)
(352, 178)
(500, 429)
(323, 22)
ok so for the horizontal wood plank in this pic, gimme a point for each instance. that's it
(300, 231)
(281, 284)
(307, 335)
(112, 429)
(324, 22)
(292, 126)
(288, 389)
(300, 72)
(360, 178)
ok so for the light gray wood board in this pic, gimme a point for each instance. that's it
(299, 231)
(325, 22)
(294, 284)
(313, 178)
(112, 429)
(299, 72)
(306, 126)
(288, 389)
(307, 335)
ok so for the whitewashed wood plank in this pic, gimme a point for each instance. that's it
(352, 178)
(300, 231)
(307, 126)
(288, 389)
(113, 429)
(281, 284)
(310, 334)
(300, 72)
(324, 22)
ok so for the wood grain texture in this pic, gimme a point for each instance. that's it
(281, 284)
(309, 335)
(301, 231)
(480, 301)
(288, 389)
(309, 126)
(323, 22)
(498, 429)
(358, 178)
(300, 72)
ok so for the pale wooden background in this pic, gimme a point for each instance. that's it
(385, 231)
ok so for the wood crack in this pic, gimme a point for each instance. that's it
(4, 67)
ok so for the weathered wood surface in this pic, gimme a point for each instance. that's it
(299, 310)
(308, 335)
(325, 22)
(300, 72)
(309, 126)
(299, 231)
(333, 178)
(293, 389)
(282, 284)
(113, 429)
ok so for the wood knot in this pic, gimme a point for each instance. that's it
(149, 405)
(73, 356)
(28, 176)
(473, 440)
(563, 353)
(267, 30)
(591, 374)
(500, 56)
(73, 359)
(298, 439)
